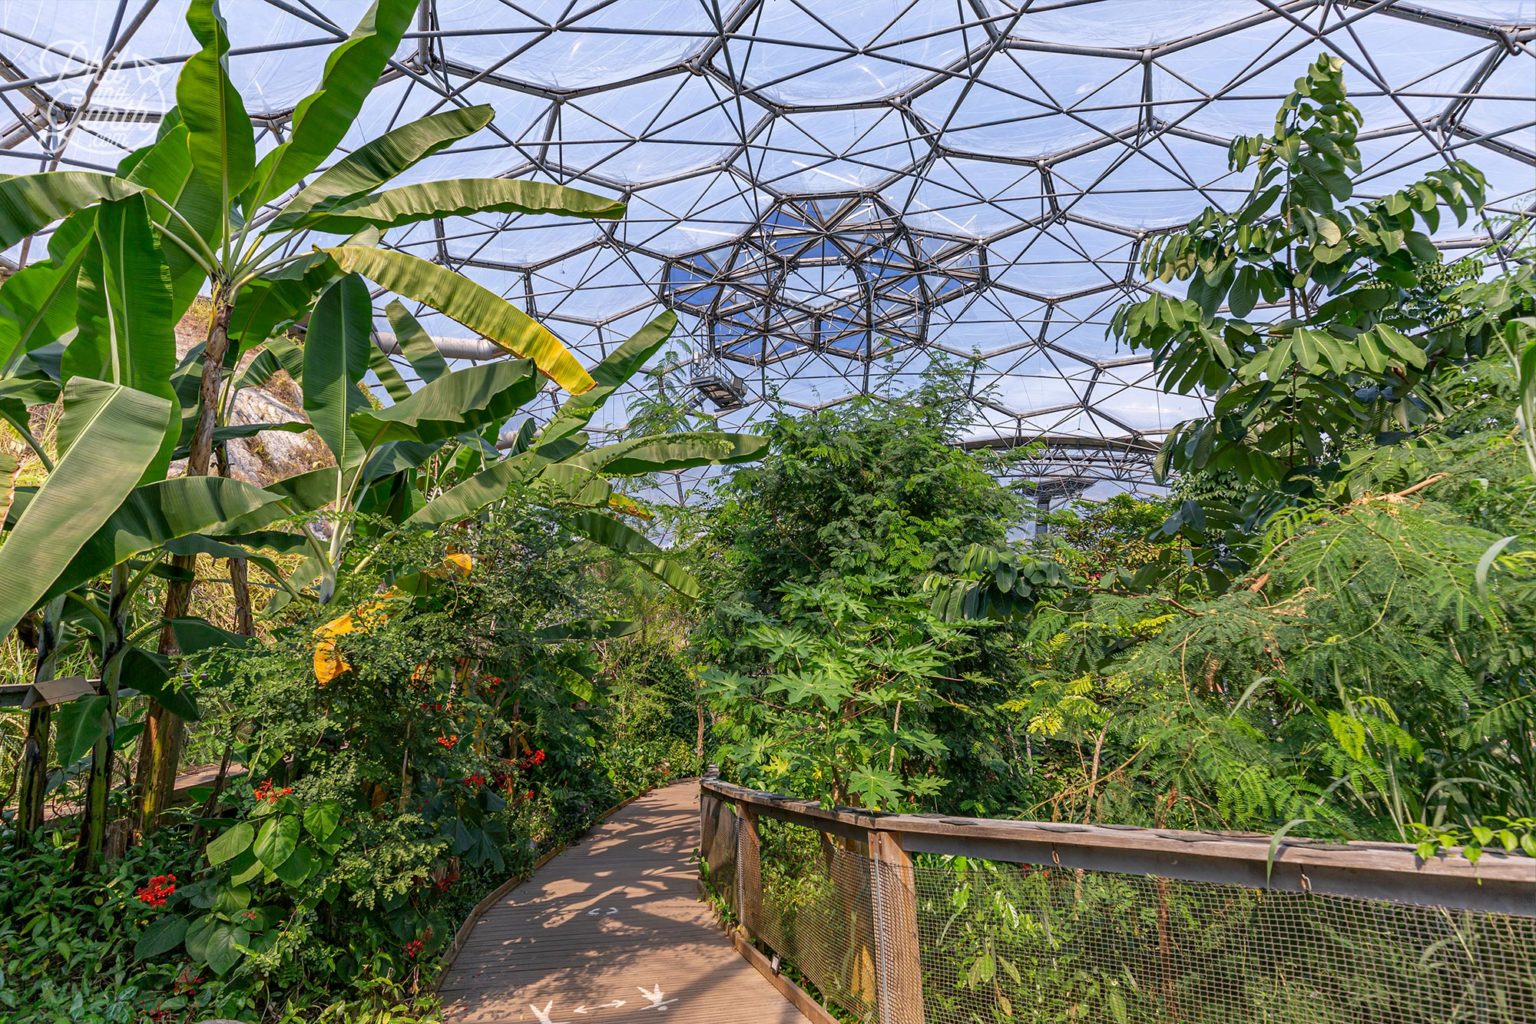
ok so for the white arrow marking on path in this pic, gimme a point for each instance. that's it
(657, 1003)
(544, 1014)
(614, 1005)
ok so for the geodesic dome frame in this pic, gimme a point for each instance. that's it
(831, 195)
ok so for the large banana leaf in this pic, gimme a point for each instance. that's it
(272, 301)
(277, 353)
(398, 456)
(37, 303)
(304, 492)
(470, 304)
(565, 484)
(219, 134)
(336, 350)
(30, 202)
(489, 485)
(620, 365)
(374, 163)
(662, 453)
(322, 118)
(159, 513)
(459, 197)
(625, 540)
(452, 404)
(108, 435)
(127, 334)
(415, 343)
(388, 376)
(165, 167)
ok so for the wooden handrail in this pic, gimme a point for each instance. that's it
(1497, 883)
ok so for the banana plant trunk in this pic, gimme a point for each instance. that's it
(33, 763)
(93, 822)
(164, 732)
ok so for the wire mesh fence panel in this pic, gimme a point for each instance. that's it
(717, 847)
(1006, 942)
(816, 912)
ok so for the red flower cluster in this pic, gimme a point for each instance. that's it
(448, 742)
(413, 947)
(157, 891)
(474, 780)
(533, 760)
(446, 881)
(266, 793)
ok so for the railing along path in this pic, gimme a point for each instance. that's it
(918, 919)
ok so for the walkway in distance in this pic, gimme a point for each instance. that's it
(612, 931)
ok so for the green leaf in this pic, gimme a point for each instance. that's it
(279, 298)
(108, 435)
(609, 375)
(322, 818)
(459, 197)
(127, 334)
(470, 304)
(662, 453)
(30, 202)
(81, 723)
(234, 841)
(298, 867)
(452, 404)
(159, 513)
(321, 119)
(162, 935)
(1404, 347)
(236, 431)
(415, 343)
(623, 539)
(149, 675)
(490, 485)
(166, 169)
(336, 350)
(277, 840)
(220, 138)
(194, 635)
(1245, 292)
(37, 303)
(221, 947)
(370, 165)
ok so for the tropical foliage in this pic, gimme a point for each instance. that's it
(410, 670)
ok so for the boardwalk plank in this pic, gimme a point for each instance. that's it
(614, 919)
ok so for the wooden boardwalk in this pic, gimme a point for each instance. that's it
(612, 931)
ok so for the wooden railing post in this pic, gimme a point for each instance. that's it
(749, 874)
(898, 959)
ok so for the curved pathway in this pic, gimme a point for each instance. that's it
(612, 931)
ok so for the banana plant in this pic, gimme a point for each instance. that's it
(236, 228)
(384, 457)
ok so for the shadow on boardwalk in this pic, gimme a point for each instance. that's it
(612, 932)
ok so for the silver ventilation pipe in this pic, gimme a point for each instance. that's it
(476, 349)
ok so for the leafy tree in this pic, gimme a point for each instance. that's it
(1304, 316)
(834, 678)
(1356, 662)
